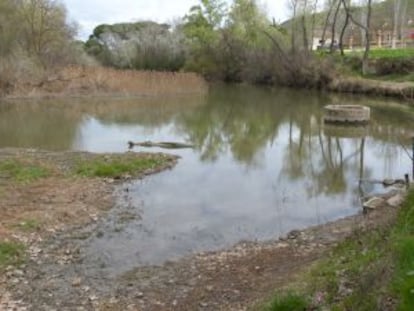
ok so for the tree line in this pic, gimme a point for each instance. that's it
(239, 42)
(233, 42)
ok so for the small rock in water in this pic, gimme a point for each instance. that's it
(374, 203)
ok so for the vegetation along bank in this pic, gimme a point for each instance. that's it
(342, 47)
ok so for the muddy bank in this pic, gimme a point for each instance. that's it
(403, 90)
(53, 189)
(240, 278)
(60, 275)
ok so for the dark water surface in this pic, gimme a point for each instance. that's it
(263, 164)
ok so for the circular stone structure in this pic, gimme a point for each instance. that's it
(351, 114)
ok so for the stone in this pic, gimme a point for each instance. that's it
(374, 203)
(396, 200)
(76, 282)
(210, 288)
(388, 182)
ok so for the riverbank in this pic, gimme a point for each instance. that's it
(45, 192)
(400, 90)
(81, 81)
(51, 203)
(369, 270)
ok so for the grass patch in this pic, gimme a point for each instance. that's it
(11, 253)
(30, 225)
(22, 171)
(355, 273)
(372, 270)
(117, 167)
(386, 53)
(403, 247)
(287, 302)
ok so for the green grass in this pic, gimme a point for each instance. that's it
(403, 246)
(386, 53)
(11, 253)
(366, 271)
(21, 171)
(117, 167)
(29, 225)
(287, 302)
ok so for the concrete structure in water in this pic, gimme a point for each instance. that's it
(347, 114)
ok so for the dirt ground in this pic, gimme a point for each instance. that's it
(57, 276)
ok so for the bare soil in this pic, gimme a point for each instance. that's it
(55, 276)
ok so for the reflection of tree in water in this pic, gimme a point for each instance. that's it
(37, 125)
(321, 159)
(242, 119)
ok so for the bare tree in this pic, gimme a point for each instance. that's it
(45, 31)
(365, 28)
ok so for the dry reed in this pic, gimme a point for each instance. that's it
(95, 81)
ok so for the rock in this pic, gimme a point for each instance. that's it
(388, 182)
(93, 298)
(293, 234)
(76, 282)
(18, 273)
(395, 200)
(374, 203)
(210, 288)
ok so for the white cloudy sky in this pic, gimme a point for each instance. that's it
(90, 13)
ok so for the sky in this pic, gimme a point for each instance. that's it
(90, 13)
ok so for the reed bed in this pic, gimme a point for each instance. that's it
(95, 81)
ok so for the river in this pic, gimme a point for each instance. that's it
(263, 164)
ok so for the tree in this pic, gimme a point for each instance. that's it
(365, 28)
(45, 32)
(9, 27)
(202, 28)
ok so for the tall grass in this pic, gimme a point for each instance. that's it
(83, 80)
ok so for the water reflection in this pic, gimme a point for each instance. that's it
(264, 163)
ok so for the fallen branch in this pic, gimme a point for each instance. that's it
(167, 145)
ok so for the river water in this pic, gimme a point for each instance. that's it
(263, 164)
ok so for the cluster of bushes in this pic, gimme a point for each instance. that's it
(141, 45)
(230, 43)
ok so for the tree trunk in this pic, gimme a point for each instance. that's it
(333, 29)
(365, 28)
(365, 58)
(396, 22)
